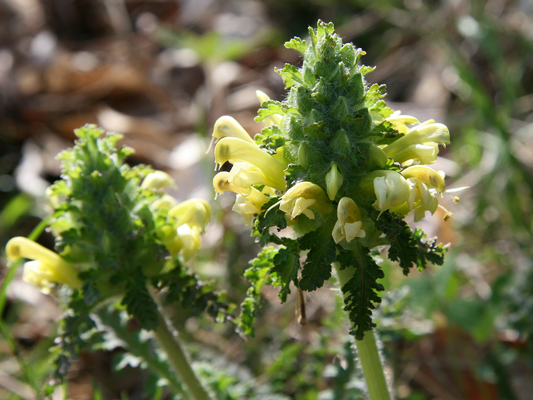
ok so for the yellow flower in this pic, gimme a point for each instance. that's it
(400, 122)
(165, 202)
(47, 268)
(193, 212)
(349, 224)
(236, 150)
(427, 175)
(249, 200)
(424, 184)
(303, 196)
(420, 143)
(247, 208)
(334, 181)
(189, 240)
(227, 126)
(157, 180)
(186, 222)
(245, 175)
(222, 184)
(390, 188)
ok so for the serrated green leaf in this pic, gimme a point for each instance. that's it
(138, 301)
(258, 276)
(408, 247)
(285, 271)
(360, 292)
(290, 75)
(297, 44)
(317, 266)
(272, 217)
(273, 107)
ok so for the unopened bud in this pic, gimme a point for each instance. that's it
(157, 180)
(334, 180)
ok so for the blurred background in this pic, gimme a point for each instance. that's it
(162, 71)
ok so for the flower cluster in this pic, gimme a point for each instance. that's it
(183, 223)
(409, 184)
(338, 166)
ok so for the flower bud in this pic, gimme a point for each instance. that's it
(391, 188)
(377, 156)
(349, 224)
(48, 267)
(334, 181)
(157, 180)
(236, 150)
(302, 155)
(303, 196)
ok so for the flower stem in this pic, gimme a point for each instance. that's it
(179, 361)
(368, 352)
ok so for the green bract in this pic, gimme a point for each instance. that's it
(331, 158)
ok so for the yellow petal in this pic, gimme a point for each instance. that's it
(236, 150)
(427, 175)
(227, 126)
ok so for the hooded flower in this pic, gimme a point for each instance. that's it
(227, 126)
(186, 222)
(390, 188)
(222, 184)
(424, 183)
(303, 197)
(194, 212)
(47, 269)
(236, 150)
(244, 175)
(349, 224)
(249, 200)
(434, 179)
(420, 143)
(247, 208)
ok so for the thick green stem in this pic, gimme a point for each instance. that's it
(179, 361)
(368, 352)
